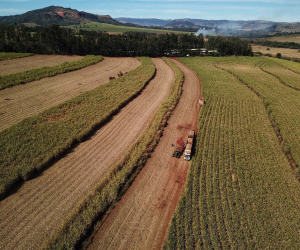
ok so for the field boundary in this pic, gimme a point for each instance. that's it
(11, 80)
(283, 82)
(110, 189)
(12, 55)
(274, 124)
(10, 182)
(287, 68)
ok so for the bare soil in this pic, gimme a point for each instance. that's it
(40, 206)
(22, 101)
(33, 62)
(142, 217)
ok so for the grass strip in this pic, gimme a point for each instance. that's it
(110, 189)
(10, 80)
(13, 55)
(32, 144)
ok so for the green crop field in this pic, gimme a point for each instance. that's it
(241, 192)
(118, 29)
(12, 55)
(278, 88)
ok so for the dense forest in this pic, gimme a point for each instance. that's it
(56, 40)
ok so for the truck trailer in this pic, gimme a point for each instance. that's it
(189, 145)
(179, 148)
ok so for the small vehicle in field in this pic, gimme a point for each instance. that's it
(189, 145)
(179, 148)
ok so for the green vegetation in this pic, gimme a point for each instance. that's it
(29, 145)
(37, 74)
(57, 40)
(12, 55)
(120, 177)
(276, 44)
(283, 101)
(119, 29)
(280, 70)
(240, 191)
(289, 65)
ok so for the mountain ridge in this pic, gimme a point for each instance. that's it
(57, 15)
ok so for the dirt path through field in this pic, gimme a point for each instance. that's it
(22, 101)
(141, 219)
(39, 207)
(33, 62)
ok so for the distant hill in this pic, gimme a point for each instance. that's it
(181, 24)
(56, 15)
(148, 22)
(213, 26)
(67, 16)
(288, 27)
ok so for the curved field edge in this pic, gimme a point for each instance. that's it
(11, 80)
(31, 145)
(13, 55)
(114, 185)
(281, 101)
(282, 73)
(240, 192)
(272, 117)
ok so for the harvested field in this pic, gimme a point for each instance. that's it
(40, 206)
(291, 53)
(33, 62)
(140, 220)
(22, 101)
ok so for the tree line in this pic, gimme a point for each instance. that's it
(289, 45)
(57, 40)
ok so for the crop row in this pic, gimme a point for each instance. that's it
(290, 65)
(109, 190)
(285, 75)
(240, 191)
(31, 144)
(7, 81)
(282, 102)
(12, 55)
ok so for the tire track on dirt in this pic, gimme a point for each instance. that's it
(33, 62)
(26, 100)
(32, 214)
(141, 219)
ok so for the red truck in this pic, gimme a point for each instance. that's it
(179, 148)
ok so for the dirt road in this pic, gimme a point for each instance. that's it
(22, 101)
(39, 207)
(33, 62)
(141, 219)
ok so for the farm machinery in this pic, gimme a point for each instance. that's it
(189, 145)
(185, 147)
(179, 148)
(119, 75)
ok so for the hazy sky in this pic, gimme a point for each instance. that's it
(273, 10)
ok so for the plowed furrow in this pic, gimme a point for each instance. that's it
(29, 216)
(22, 101)
(140, 220)
(33, 62)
